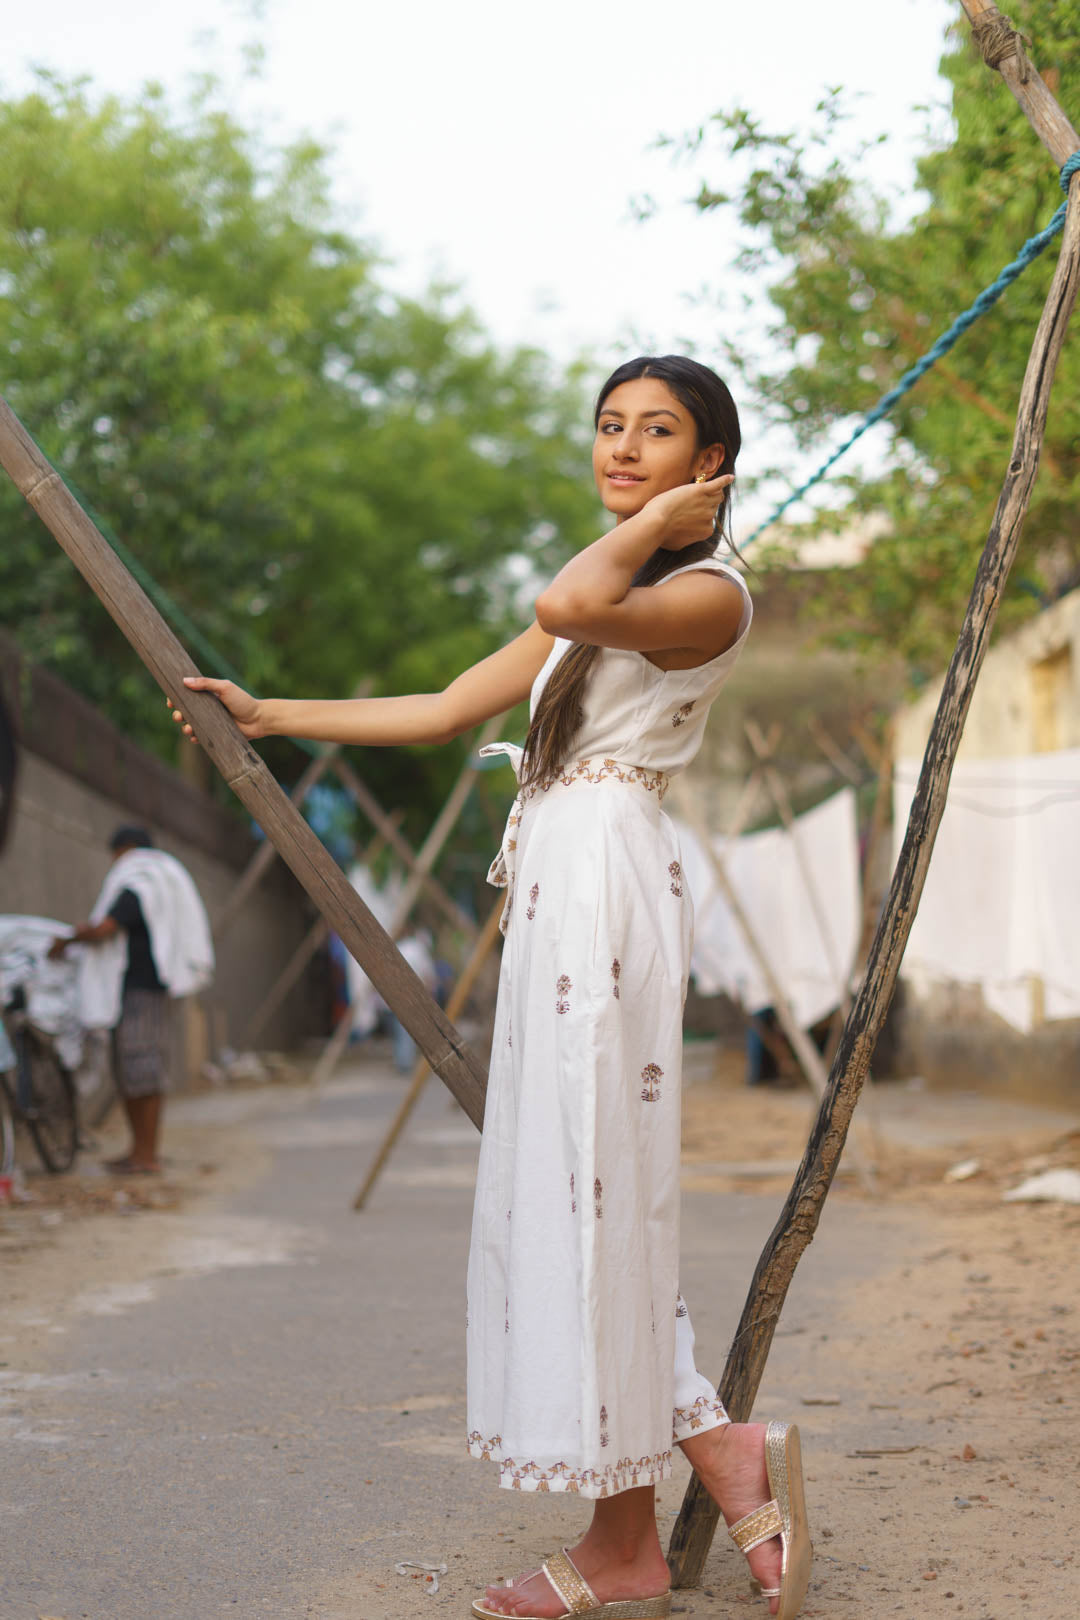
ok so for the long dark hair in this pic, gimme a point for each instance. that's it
(559, 711)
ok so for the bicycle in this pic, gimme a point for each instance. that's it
(38, 1091)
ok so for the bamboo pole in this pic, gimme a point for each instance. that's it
(806, 1053)
(240, 765)
(485, 943)
(444, 825)
(314, 938)
(795, 1228)
(266, 854)
(386, 824)
(779, 794)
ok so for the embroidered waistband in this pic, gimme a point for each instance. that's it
(503, 868)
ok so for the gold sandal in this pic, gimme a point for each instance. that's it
(784, 1516)
(574, 1591)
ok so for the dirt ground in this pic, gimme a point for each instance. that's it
(962, 1366)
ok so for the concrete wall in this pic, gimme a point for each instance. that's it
(79, 778)
(1027, 700)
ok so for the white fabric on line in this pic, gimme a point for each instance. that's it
(765, 871)
(176, 921)
(1002, 894)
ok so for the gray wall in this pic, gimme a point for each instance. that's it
(79, 778)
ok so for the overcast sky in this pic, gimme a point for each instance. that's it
(501, 145)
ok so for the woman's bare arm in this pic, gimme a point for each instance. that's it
(591, 599)
(490, 687)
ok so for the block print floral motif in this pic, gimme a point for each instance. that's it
(594, 1482)
(675, 874)
(534, 894)
(598, 1197)
(573, 1200)
(616, 970)
(603, 1426)
(680, 717)
(651, 1074)
(562, 985)
(587, 770)
(680, 1307)
(693, 1415)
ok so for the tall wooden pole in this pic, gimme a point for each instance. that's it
(444, 825)
(696, 1524)
(264, 857)
(241, 766)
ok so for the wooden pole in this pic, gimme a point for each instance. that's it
(385, 824)
(241, 766)
(425, 860)
(799, 1218)
(806, 1053)
(264, 857)
(780, 798)
(485, 942)
(314, 938)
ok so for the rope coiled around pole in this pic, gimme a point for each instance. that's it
(986, 299)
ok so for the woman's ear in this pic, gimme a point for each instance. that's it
(711, 461)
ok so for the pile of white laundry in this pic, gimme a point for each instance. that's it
(1002, 895)
(51, 989)
(801, 891)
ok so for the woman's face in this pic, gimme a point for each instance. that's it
(646, 442)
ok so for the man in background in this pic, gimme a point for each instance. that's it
(150, 940)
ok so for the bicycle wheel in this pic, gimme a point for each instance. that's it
(52, 1114)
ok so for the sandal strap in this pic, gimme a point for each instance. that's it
(571, 1587)
(753, 1529)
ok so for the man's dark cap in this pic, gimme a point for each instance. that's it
(130, 838)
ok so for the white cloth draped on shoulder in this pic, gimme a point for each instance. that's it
(176, 921)
(581, 1370)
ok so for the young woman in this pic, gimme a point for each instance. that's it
(581, 1372)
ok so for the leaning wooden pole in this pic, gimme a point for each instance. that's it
(485, 944)
(696, 1524)
(241, 766)
(428, 854)
(264, 857)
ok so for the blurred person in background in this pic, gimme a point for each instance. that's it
(149, 939)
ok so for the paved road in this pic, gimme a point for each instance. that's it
(268, 1412)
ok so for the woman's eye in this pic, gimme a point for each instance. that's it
(661, 432)
(611, 427)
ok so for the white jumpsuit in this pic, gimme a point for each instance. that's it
(581, 1371)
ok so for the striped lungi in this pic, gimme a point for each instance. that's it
(141, 1044)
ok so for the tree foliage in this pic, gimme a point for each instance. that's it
(331, 482)
(856, 299)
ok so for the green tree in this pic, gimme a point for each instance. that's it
(855, 299)
(330, 481)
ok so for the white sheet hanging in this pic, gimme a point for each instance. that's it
(1002, 895)
(813, 969)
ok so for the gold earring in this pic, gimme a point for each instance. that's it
(701, 478)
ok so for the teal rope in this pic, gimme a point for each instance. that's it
(170, 610)
(1030, 251)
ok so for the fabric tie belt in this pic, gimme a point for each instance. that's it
(502, 873)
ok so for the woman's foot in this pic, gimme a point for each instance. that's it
(730, 1462)
(614, 1577)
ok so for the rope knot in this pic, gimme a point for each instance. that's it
(996, 37)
